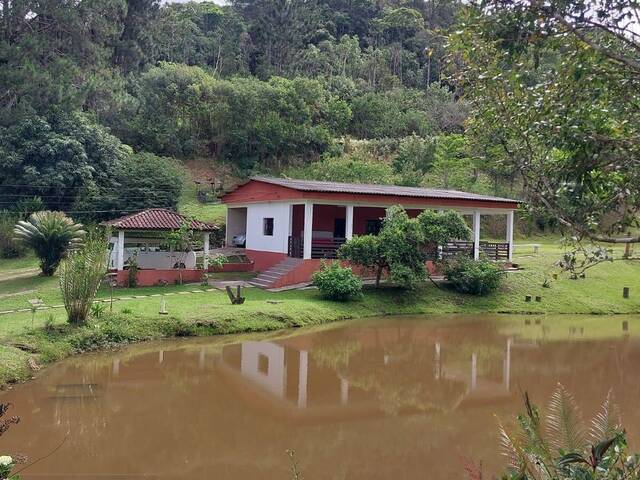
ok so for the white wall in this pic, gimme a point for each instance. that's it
(255, 215)
(273, 380)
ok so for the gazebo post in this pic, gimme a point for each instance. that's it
(120, 251)
(205, 261)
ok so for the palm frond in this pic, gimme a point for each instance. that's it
(607, 422)
(564, 423)
(512, 449)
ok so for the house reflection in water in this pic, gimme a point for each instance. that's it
(294, 379)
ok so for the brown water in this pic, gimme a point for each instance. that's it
(394, 398)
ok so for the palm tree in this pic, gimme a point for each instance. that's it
(50, 235)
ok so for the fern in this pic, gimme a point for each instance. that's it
(564, 423)
(606, 423)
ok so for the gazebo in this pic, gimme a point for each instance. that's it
(142, 238)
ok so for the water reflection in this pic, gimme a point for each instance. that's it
(387, 398)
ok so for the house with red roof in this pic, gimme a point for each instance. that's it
(286, 227)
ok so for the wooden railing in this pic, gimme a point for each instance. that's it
(327, 248)
(320, 248)
(296, 247)
(495, 251)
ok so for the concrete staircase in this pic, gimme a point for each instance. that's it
(270, 276)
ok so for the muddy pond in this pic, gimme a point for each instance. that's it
(388, 398)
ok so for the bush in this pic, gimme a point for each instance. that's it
(9, 247)
(337, 283)
(477, 277)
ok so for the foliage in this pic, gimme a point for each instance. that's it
(569, 136)
(556, 445)
(399, 248)
(350, 168)
(9, 246)
(577, 258)
(477, 277)
(6, 461)
(414, 158)
(51, 235)
(80, 276)
(336, 282)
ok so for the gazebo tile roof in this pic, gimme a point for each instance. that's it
(158, 219)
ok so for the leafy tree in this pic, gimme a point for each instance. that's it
(350, 168)
(51, 235)
(81, 273)
(56, 159)
(570, 136)
(399, 248)
(414, 158)
(366, 251)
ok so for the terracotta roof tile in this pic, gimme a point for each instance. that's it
(157, 219)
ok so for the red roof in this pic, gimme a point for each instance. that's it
(158, 219)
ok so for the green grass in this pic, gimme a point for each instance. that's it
(209, 313)
(189, 205)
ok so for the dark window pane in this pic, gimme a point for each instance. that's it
(267, 227)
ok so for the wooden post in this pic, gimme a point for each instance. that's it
(625, 326)
(527, 298)
(538, 298)
(625, 292)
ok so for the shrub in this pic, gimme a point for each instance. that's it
(50, 235)
(9, 246)
(80, 276)
(477, 277)
(554, 443)
(337, 283)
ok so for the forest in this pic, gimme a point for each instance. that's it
(103, 102)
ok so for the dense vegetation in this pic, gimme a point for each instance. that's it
(98, 99)
(102, 102)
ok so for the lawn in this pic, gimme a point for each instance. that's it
(210, 312)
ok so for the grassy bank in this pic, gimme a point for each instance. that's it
(210, 313)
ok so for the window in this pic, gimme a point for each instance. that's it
(267, 227)
(374, 226)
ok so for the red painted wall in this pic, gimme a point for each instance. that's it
(149, 278)
(233, 267)
(362, 214)
(263, 260)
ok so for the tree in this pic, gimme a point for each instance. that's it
(366, 251)
(573, 138)
(80, 275)
(399, 248)
(51, 235)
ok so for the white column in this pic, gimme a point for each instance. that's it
(476, 235)
(120, 251)
(507, 365)
(348, 227)
(205, 261)
(474, 371)
(510, 216)
(344, 391)
(308, 230)
(227, 233)
(303, 364)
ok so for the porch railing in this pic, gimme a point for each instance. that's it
(320, 248)
(328, 247)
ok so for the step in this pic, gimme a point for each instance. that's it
(278, 270)
(268, 278)
(260, 284)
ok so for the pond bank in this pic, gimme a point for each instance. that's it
(24, 349)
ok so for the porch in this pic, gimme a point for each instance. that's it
(333, 225)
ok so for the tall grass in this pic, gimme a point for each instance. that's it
(80, 276)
